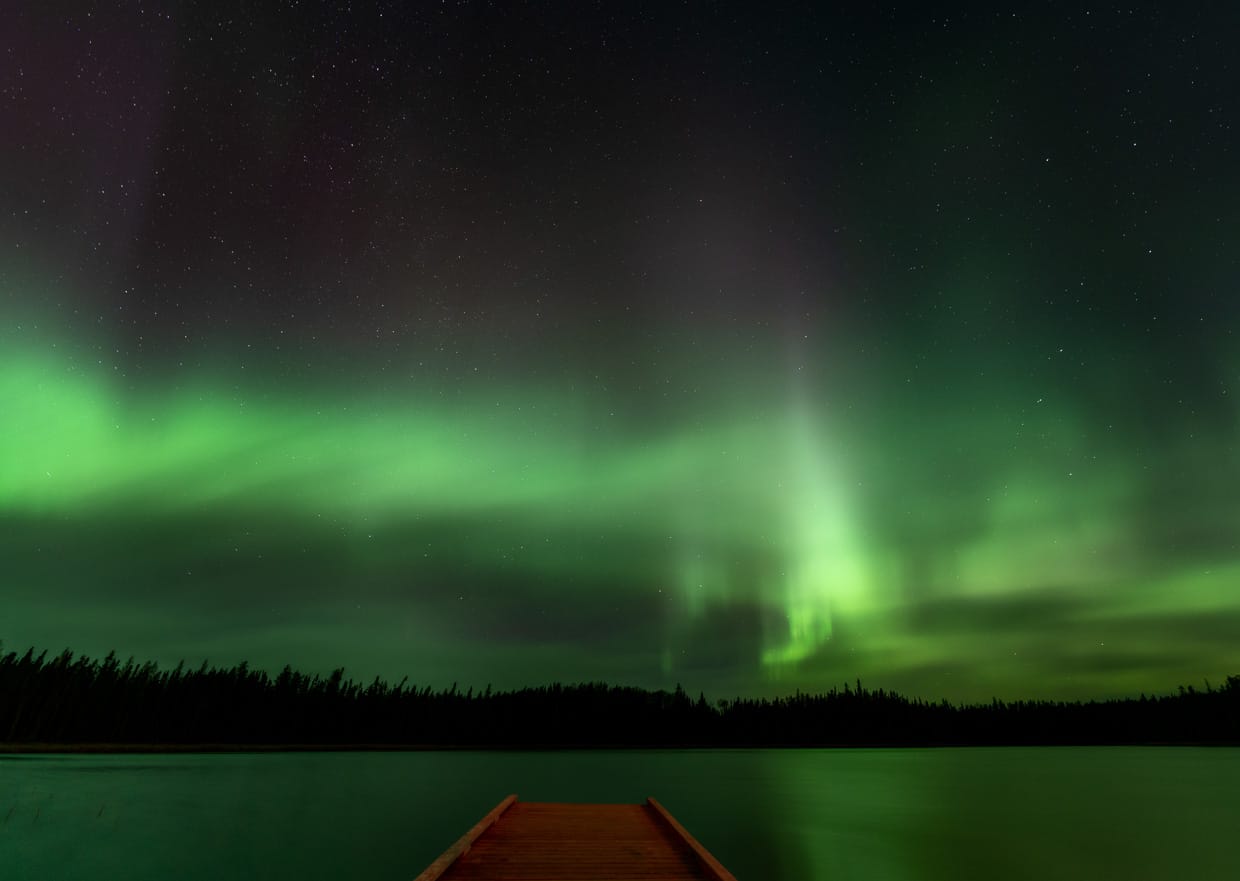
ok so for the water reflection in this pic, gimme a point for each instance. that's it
(904, 815)
(926, 815)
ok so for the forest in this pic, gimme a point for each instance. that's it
(70, 699)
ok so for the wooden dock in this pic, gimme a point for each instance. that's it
(523, 841)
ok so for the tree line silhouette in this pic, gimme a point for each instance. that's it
(68, 699)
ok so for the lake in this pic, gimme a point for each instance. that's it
(768, 815)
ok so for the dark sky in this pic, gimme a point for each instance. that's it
(749, 346)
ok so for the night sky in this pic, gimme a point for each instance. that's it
(753, 347)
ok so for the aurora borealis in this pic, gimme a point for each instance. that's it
(748, 349)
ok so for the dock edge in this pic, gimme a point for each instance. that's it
(465, 842)
(704, 857)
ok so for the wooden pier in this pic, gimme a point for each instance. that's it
(523, 841)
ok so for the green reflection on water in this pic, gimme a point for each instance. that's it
(775, 815)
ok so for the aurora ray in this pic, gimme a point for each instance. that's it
(650, 348)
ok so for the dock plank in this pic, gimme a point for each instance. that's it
(554, 841)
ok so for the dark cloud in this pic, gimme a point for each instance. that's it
(764, 349)
(1032, 611)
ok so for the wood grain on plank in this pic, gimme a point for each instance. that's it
(445, 860)
(579, 842)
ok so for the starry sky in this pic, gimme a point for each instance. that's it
(755, 347)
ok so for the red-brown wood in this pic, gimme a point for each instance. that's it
(714, 869)
(435, 870)
(580, 842)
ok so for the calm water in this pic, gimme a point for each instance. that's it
(848, 815)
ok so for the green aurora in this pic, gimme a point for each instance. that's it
(786, 536)
(756, 349)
